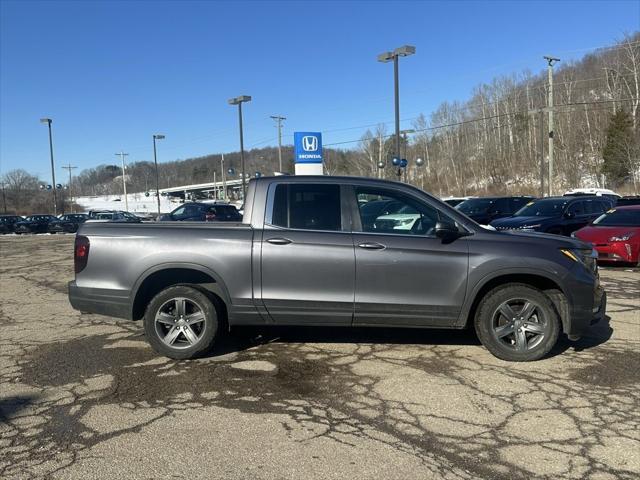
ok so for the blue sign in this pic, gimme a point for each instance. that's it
(307, 147)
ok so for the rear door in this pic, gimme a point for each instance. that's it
(405, 275)
(307, 260)
(500, 209)
(580, 216)
(516, 203)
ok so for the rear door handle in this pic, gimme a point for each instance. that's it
(279, 241)
(372, 246)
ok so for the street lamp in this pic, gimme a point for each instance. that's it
(386, 57)
(53, 170)
(239, 101)
(155, 161)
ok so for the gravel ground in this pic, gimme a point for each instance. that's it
(83, 396)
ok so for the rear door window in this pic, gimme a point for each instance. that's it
(307, 206)
(517, 203)
(577, 208)
(501, 205)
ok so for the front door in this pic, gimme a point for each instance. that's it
(308, 263)
(405, 275)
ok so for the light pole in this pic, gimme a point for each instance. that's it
(53, 170)
(155, 161)
(385, 57)
(239, 101)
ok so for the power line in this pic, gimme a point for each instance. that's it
(491, 117)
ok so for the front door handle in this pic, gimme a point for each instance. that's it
(372, 246)
(279, 241)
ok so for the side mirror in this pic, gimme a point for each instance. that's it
(447, 231)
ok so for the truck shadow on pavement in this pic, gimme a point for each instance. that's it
(432, 395)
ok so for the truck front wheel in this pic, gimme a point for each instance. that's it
(518, 323)
(181, 322)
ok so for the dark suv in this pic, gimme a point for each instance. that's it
(486, 209)
(68, 223)
(8, 223)
(35, 224)
(203, 212)
(559, 215)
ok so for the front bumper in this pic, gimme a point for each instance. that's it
(588, 301)
(617, 252)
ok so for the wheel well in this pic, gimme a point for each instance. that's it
(158, 281)
(551, 288)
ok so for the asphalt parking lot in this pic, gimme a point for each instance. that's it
(83, 396)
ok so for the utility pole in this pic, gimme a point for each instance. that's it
(4, 198)
(550, 63)
(69, 168)
(540, 113)
(224, 179)
(279, 119)
(124, 181)
(380, 153)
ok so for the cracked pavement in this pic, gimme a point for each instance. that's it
(83, 396)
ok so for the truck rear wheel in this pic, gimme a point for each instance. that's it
(518, 323)
(181, 322)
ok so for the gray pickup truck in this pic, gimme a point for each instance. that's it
(338, 251)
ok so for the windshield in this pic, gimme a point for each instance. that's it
(475, 205)
(619, 218)
(550, 207)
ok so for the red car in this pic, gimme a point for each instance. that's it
(615, 235)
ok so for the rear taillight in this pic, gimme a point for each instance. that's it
(80, 253)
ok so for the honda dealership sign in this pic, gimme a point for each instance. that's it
(308, 153)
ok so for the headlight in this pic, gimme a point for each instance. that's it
(621, 238)
(588, 257)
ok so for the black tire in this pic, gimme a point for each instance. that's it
(538, 332)
(182, 347)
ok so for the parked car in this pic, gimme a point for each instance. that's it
(615, 235)
(34, 224)
(599, 192)
(203, 212)
(486, 209)
(304, 256)
(453, 201)
(558, 215)
(68, 223)
(630, 200)
(113, 216)
(8, 223)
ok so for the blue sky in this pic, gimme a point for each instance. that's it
(111, 74)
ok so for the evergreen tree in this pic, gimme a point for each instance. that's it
(616, 150)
